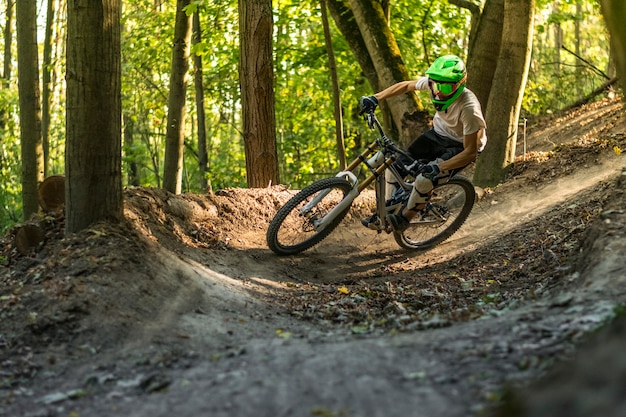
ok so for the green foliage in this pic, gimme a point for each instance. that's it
(147, 34)
(424, 29)
(304, 107)
(10, 161)
(558, 77)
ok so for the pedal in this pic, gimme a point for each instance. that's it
(372, 222)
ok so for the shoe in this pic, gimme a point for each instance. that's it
(398, 222)
(371, 222)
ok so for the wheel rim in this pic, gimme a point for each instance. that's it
(298, 229)
(446, 211)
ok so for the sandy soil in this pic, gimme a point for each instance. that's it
(182, 310)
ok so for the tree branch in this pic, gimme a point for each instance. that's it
(466, 4)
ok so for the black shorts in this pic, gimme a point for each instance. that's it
(430, 146)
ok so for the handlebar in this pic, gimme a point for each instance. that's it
(384, 141)
(388, 145)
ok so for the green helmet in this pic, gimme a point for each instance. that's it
(446, 80)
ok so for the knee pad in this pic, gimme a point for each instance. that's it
(423, 185)
(420, 193)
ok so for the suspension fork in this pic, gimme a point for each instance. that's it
(320, 224)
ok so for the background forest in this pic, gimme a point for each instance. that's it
(570, 60)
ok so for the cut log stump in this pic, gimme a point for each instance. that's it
(27, 238)
(52, 193)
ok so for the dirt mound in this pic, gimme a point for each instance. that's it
(94, 289)
(101, 287)
(589, 122)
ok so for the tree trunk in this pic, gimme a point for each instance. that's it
(332, 67)
(199, 88)
(47, 86)
(578, 40)
(8, 41)
(558, 38)
(389, 66)
(175, 135)
(129, 152)
(505, 103)
(93, 187)
(482, 59)
(256, 74)
(30, 105)
(614, 12)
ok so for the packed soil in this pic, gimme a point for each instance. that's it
(183, 310)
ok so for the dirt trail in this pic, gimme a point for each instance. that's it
(195, 316)
(353, 252)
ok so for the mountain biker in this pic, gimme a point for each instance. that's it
(455, 140)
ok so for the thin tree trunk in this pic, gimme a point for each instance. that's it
(504, 105)
(175, 135)
(332, 67)
(577, 40)
(8, 41)
(30, 105)
(6, 74)
(130, 156)
(199, 88)
(558, 39)
(47, 85)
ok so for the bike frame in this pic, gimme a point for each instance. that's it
(384, 155)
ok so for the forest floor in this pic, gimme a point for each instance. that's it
(183, 310)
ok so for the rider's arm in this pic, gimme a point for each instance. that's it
(397, 89)
(467, 155)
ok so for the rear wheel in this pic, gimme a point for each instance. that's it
(294, 229)
(448, 208)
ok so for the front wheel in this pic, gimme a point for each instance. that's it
(295, 228)
(449, 206)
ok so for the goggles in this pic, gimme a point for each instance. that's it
(441, 89)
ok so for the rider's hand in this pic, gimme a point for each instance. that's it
(431, 171)
(367, 104)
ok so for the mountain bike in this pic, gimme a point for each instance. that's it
(314, 212)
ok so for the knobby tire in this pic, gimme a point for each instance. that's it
(290, 233)
(457, 196)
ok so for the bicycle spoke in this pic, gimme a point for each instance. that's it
(296, 227)
(448, 207)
